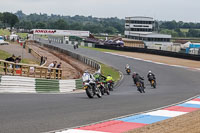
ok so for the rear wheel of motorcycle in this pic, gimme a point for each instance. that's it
(107, 91)
(110, 87)
(102, 91)
(89, 92)
(154, 85)
(139, 89)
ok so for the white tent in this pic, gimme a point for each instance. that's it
(14, 36)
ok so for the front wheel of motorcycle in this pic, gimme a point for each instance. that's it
(89, 92)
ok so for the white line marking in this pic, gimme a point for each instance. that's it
(166, 113)
(79, 131)
(193, 102)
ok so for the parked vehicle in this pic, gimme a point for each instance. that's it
(2, 42)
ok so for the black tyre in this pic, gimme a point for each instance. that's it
(89, 92)
(99, 93)
(142, 89)
(102, 90)
(139, 89)
(107, 91)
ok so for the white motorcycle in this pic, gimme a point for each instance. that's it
(91, 90)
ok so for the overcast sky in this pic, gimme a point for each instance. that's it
(185, 10)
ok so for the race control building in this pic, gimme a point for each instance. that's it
(141, 28)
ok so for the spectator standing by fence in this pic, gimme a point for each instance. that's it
(58, 67)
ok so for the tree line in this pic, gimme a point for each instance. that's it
(179, 29)
(95, 25)
(92, 24)
(8, 20)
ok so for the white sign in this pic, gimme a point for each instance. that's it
(61, 32)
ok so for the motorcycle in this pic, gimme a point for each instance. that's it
(140, 87)
(103, 88)
(91, 91)
(110, 85)
(128, 71)
(153, 83)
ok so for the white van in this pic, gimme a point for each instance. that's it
(2, 42)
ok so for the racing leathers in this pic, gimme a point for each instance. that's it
(151, 77)
(140, 79)
(87, 77)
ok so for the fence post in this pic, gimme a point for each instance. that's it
(13, 69)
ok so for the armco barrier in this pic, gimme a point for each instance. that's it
(152, 51)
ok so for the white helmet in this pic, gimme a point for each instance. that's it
(150, 72)
(86, 71)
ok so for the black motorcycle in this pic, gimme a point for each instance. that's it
(128, 71)
(140, 87)
(153, 83)
(103, 88)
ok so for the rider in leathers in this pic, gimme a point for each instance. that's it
(140, 79)
(151, 76)
(87, 77)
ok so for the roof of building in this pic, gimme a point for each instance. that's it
(152, 35)
(140, 18)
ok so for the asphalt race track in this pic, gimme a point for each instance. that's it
(34, 113)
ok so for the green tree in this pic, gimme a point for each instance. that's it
(10, 19)
(40, 25)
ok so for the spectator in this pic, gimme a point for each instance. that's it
(42, 60)
(52, 65)
(10, 59)
(18, 59)
(58, 67)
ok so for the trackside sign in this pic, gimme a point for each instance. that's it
(61, 32)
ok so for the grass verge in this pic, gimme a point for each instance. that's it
(105, 69)
(4, 55)
(22, 35)
(4, 32)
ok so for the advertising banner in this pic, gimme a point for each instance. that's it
(61, 32)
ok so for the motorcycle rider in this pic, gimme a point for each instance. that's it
(99, 77)
(87, 77)
(151, 76)
(134, 77)
(109, 78)
(140, 79)
(127, 66)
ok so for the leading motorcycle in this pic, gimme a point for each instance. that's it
(91, 90)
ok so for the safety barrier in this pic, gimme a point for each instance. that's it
(152, 51)
(25, 70)
(17, 84)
